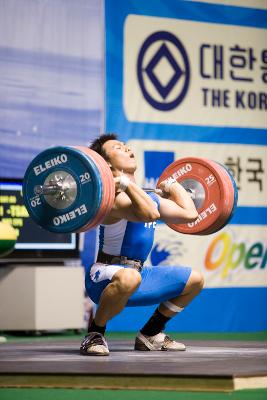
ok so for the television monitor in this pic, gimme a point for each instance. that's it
(34, 244)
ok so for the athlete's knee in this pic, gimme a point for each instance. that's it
(127, 280)
(196, 280)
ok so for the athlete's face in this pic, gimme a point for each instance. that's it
(120, 156)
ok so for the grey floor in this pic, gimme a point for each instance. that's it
(202, 358)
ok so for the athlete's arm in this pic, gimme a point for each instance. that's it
(134, 205)
(178, 208)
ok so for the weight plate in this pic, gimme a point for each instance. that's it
(108, 188)
(90, 155)
(235, 192)
(235, 189)
(233, 185)
(215, 204)
(228, 201)
(82, 208)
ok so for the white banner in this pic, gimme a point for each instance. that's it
(194, 73)
(236, 256)
(248, 164)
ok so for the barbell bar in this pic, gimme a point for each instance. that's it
(69, 189)
(60, 190)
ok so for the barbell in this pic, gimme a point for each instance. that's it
(71, 189)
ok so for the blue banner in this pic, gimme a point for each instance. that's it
(186, 78)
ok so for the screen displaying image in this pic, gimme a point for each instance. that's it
(34, 244)
(30, 235)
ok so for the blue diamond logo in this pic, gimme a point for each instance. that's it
(162, 53)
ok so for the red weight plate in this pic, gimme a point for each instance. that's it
(229, 201)
(106, 177)
(94, 221)
(216, 203)
(108, 183)
(108, 188)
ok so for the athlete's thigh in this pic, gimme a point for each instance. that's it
(159, 283)
(97, 279)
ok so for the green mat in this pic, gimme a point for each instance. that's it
(76, 394)
(70, 335)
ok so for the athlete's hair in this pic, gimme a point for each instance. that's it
(97, 144)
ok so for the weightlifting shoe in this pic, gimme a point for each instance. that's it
(159, 342)
(94, 344)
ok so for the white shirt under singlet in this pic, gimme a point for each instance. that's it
(130, 239)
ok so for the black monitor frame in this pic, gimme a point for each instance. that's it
(41, 256)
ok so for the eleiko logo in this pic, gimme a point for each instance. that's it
(168, 54)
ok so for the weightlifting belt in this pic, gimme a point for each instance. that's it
(119, 260)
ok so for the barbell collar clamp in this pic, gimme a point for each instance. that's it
(49, 190)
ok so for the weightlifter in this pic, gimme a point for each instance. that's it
(118, 278)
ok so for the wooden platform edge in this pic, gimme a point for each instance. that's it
(141, 382)
(190, 383)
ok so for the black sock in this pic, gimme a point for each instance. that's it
(155, 324)
(95, 328)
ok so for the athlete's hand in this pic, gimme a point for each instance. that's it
(121, 183)
(166, 185)
(117, 180)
